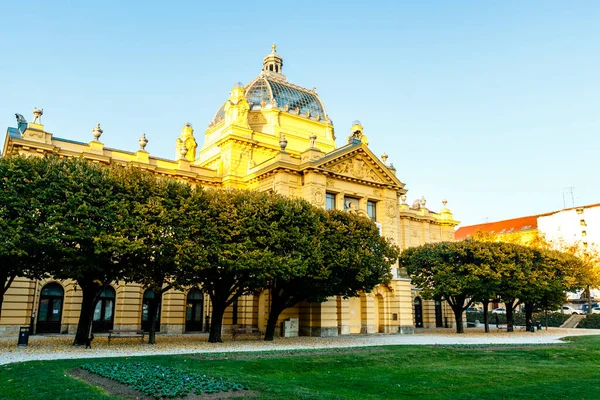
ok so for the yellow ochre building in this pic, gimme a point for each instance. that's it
(269, 135)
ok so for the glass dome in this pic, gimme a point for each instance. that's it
(287, 97)
(268, 91)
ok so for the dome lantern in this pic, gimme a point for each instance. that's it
(273, 62)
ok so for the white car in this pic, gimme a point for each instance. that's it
(596, 310)
(499, 311)
(571, 310)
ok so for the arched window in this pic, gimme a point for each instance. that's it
(50, 308)
(104, 311)
(418, 312)
(148, 295)
(194, 312)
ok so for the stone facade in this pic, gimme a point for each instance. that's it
(269, 135)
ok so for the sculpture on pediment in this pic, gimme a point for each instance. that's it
(358, 168)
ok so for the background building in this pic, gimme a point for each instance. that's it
(570, 226)
(269, 135)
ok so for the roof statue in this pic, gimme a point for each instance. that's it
(37, 115)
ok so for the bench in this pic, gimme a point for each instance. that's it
(125, 333)
(240, 330)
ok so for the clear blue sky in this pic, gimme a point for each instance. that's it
(492, 105)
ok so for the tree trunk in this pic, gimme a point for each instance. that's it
(486, 322)
(589, 296)
(89, 296)
(277, 306)
(458, 313)
(528, 316)
(509, 315)
(6, 282)
(216, 324)
(153, 306)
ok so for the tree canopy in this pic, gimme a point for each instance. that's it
(465, 271)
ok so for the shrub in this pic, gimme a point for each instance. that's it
(554, 319)
(590, 322)
(159, 381)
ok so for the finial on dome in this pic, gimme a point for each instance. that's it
(422, 202)
(403, 198)
(273, 48)
(444, 202)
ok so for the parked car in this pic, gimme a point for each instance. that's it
(499, 311)
(472, 309)
(586, 306)
(571, 310)
(596, 310)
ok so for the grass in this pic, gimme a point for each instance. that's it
(566, 371)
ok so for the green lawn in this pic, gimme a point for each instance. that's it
(567, 371)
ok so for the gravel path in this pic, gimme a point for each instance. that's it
(59, 346)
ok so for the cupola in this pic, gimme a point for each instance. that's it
(273, 62)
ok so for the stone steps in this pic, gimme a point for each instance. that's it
(573, 321)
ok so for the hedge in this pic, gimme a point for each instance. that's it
(590, 322)
(555, 319)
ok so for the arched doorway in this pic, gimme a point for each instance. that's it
(104, 311)
(50, 308)
(439, 323)
(194, 311)
(418, 312)
(148, 295)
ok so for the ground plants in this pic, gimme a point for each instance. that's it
(160, 381)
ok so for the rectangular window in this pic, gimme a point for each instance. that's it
(372, 210)
(583, 233)
(330, 201)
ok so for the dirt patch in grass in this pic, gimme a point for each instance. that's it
(114, 388)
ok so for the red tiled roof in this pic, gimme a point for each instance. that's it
(509, 225)
(500, 227)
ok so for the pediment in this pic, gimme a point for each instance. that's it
(360, 163)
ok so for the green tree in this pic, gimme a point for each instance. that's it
(155, 234)
(89, 213)
(221, 252)
(320, 254)
(24, 233)
(449, 271)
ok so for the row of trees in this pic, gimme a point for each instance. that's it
(72, 219)
(481, 271)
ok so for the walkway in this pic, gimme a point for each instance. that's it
(59, 346)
